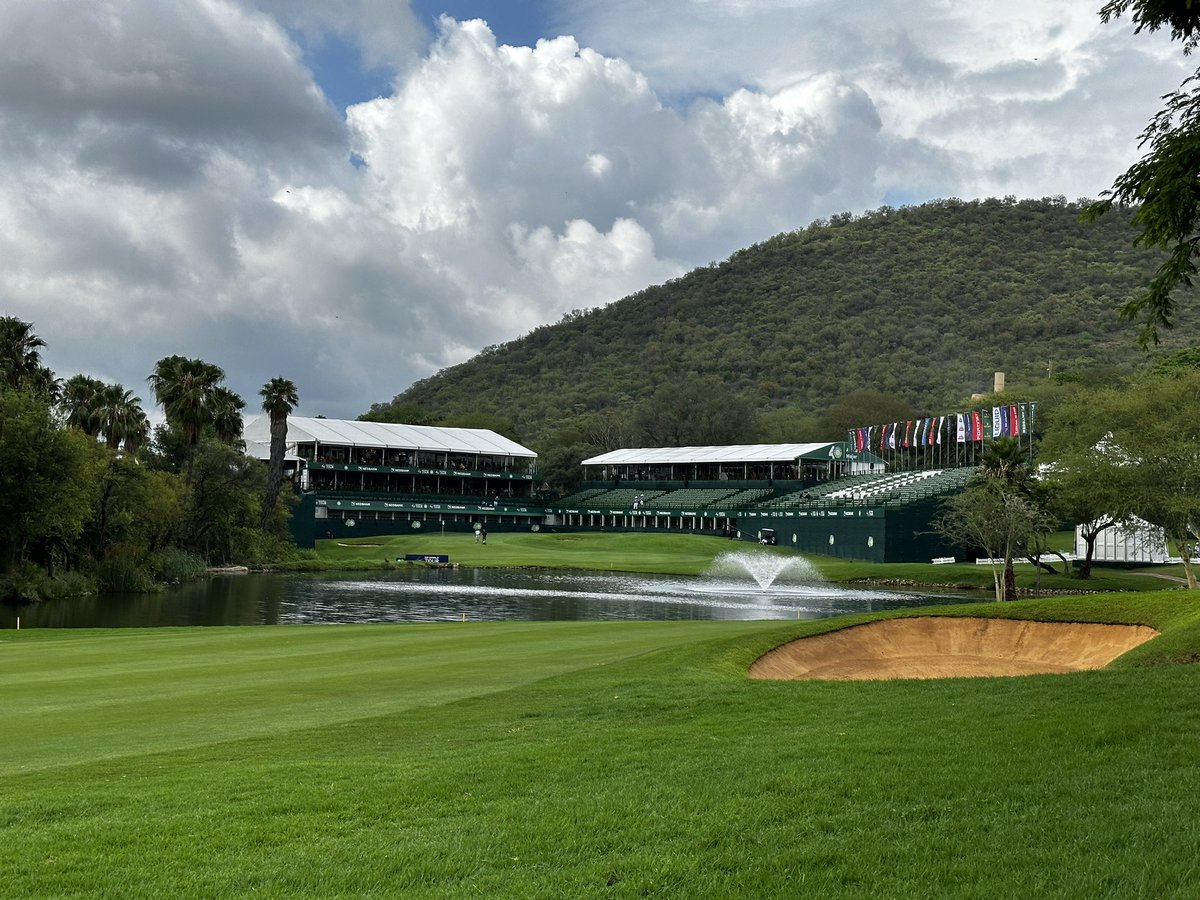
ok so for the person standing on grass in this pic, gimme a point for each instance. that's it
(483, 535)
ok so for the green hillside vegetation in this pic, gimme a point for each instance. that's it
(570, 759)
(915, 306)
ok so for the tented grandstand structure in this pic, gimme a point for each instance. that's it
(830, 498)
(873, 497)
(738, 462)
(371, 478)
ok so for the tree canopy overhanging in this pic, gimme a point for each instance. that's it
(1164, 184)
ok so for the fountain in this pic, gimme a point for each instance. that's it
(765, 567)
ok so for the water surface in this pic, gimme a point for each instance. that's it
(444, 595)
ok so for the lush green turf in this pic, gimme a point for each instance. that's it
(671, 554)
(682, 554)
(970, 575)
(588, 759)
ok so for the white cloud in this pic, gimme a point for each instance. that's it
(172, 179)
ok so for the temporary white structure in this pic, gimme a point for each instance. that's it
(734, 453)
(383, 435)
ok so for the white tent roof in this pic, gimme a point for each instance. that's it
(735, 453)
(262, 450)
(349, 433)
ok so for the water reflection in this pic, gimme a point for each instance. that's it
(443, 595)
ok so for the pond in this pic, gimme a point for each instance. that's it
(738, 586)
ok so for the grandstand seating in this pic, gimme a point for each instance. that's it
(893, 489)
(693, 498)
(746, 498)
(616, 498)
(581, 498)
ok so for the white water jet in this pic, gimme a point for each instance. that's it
(765, 568)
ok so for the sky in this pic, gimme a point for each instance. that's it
(357, 195)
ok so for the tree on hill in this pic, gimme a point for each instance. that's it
(398, 413)
(862, 407)
(488, 421)
(693, 412)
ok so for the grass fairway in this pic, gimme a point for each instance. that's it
(589, 759)
(669, 554)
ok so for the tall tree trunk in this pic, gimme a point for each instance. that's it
(274, 469)
(1010, 579)
(1186, 549)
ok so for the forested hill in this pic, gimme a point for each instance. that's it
(923, 302)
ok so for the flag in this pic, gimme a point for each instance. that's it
(941, 427)
(996, 425)
(908, 429)
(1014, 424)
(892, 436)
(962, 427)
(1024, 419)
(976, 425)
(882, 438)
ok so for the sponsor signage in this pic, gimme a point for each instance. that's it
(410, 470)
(385, 505)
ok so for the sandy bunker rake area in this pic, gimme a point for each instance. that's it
(950, 647)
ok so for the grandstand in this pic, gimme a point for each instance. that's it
(359, 479)
(833, 498)
(838, 498)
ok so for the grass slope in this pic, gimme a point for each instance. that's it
(681, 554)
(589, 759)
(669, 554)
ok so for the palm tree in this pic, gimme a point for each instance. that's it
(120, 414)
(137, 431)
(1003, 461)
(80, 399)
(184, 389)
(1005, 470)
(226, 415)
(44, 385)
(279, 398)
(20, 363)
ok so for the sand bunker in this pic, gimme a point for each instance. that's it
(949, 647)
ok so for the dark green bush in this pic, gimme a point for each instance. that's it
(173, 565)
(122, 574)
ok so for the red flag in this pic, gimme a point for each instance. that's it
(976, 426)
